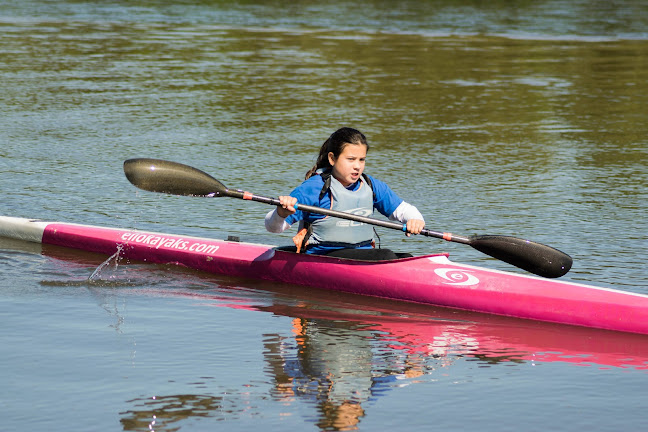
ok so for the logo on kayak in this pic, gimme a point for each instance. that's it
(457, 276)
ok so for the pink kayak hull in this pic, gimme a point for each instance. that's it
(429, 279)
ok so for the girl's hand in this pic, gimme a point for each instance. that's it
(414, 226)
(287, 206)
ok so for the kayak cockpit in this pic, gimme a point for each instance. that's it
(401, 256)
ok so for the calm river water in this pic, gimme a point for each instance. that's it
(526, 120)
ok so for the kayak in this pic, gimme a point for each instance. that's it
(421, 331)
(429, 279)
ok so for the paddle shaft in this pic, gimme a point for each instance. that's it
(342, 215)
(161, 176)
(534, 257)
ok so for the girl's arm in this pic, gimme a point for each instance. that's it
(275, 223)
(281, 218)
(405, 212)
(408, 214)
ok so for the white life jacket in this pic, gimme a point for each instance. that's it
(342, 232)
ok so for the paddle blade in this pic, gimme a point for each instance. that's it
(533, 257)
(174, 178)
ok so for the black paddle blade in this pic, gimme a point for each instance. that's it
(533, 257)
(174, 178)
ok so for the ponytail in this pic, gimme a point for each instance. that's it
(335, 144)
(322, 160)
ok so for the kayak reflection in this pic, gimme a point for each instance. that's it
(342, 352)
(340, 359)
(339, 353)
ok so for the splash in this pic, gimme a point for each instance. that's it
(109, 264)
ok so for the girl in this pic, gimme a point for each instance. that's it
(337, 182)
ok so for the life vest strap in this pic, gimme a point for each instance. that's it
(300, 239)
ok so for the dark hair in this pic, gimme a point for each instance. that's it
(335, 144)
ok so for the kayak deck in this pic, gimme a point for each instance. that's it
(429, 279)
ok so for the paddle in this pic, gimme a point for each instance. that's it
(156, 175)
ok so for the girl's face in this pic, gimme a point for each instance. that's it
(348, 167)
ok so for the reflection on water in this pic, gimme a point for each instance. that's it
(342, 353)
(328, 364)
(163, 413)
(336, 366)
(339, 357)
(337, 354)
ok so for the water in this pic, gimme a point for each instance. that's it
(527, 120)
